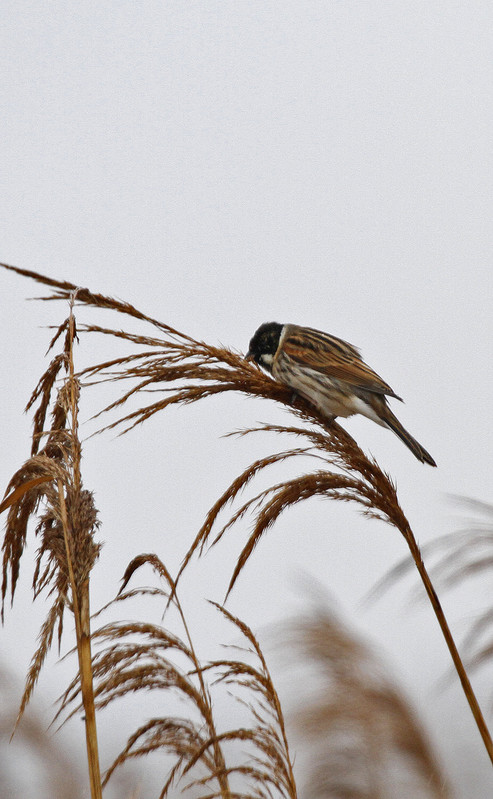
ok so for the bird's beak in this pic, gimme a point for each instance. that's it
(249, 356)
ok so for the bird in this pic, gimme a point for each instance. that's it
(330, 374)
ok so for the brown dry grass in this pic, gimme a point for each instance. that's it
(183, 370)
(364, 739)
(48, 488)
(140, 657)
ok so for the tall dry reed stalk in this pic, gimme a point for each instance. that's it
(49, 487)
(194, 370)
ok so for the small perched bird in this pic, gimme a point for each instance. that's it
(330, 374)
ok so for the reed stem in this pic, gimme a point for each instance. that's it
(457, 660)
(83, 635)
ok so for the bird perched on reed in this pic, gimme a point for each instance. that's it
(330, 374)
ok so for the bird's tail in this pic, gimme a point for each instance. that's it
(418, 451)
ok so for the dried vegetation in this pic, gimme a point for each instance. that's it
(140, 656)
(364, 739)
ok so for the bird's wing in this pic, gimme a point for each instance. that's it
(332, 356)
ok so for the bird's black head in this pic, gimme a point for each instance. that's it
(264, 344)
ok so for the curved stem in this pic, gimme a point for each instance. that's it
(459, 666)
(220, 763)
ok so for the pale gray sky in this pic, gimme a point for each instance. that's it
(221, 164)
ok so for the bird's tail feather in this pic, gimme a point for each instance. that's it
(418, 451)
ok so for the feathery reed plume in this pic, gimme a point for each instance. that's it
(137, 657)
(66, 526)
(273, 767)
(196, 370)
(364, 739)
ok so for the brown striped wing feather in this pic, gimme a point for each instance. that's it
(332, 356)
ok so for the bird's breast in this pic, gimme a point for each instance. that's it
(331, 396)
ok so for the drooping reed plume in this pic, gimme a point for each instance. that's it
(184, 370)
(140, 657)
(48, 488)
(362, 738)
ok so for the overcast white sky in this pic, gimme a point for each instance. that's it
(221, 164)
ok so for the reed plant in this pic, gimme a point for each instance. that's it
(48, 487)
(182, 370)
(363, 737)
(143, 657)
